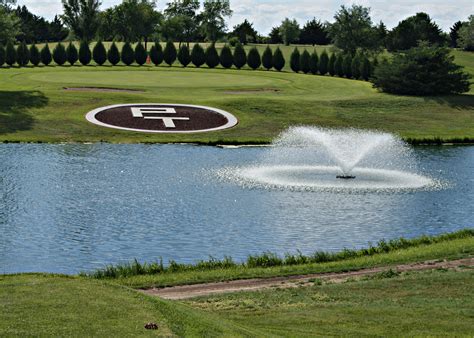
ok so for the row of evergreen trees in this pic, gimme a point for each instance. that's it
(357, 67)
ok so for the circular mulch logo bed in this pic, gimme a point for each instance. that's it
(162, 118)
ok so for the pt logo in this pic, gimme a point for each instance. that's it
(162, 118)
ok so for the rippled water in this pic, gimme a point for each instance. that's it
(68, 208)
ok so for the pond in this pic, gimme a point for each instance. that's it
(76, 207)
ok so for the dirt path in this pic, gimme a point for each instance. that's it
(190, 291)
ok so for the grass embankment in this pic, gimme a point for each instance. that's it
(34, 107)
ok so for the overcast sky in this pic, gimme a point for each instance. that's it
(268, 13)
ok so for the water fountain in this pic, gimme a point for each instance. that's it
(311, 158)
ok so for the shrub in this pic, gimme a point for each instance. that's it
(127, 55)
(46, 57)
(324, 63)
(170, 53)
(183, 55)
(59, 54)
(140, 54)
(10, 55)
(72, 55)
(314, 63)
(156, 54)
(305, 62)
(332, 64)
(355, 67)
(278, 60)
(22, 55)
(267, 58)
(35, 57)
(99, 54)
(198, 56)
(423, 70)
(295, 60)
(113, 54)
(365, 69)
(226, 57)
(338, 66)
(347, 66)
(85, 55)
(253, 60)
(212, 58)
(240, 57)
(2, 55)
(234, 41)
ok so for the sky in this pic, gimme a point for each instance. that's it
(266, 14)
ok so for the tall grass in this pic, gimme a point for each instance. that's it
(269, 259)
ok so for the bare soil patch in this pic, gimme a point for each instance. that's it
(103, 90)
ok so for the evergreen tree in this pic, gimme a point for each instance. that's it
(140, 54)
(183, 55)
(170, 53)
(253, 60)
(212, 58)
(99, 54)
(373, 66)
(72, 55)
(338, 66)
(267, 58)
(295, 60)
(85, 55)
(22, 55)
(278, 60)
(46, 57)
(305, 62)
(2, 55)
(332, 64)
(347, 66)
(355, 66)
(35, 57)
(113, 54)
(127, 55)
(324, 63)
(156, 54)
(10, 57)
(226, 57)
(365, 69)
(59, 54)
(314, 63)
(240, 57)
(198, 56)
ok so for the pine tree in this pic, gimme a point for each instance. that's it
(170, 53)
(59, 54)
(2, 55)
(347, 66)
(295, 60)
(99, 54)
(184, 56)
(127, 55)
(10, 56)
(198, 56)
(212, 58)
(305, 62)
(355, 67)
(22, 55)
(140, 54)
(85, 55)
(46, 57)
(253, 60)
(323, 63)
(365, 69)
(113, 54)
(314, 63)
(278, 60)
(332, 65)
(35, 57)
(226, 58)
(72, 55)
(267, 58)
(338, 66)
(240, 57)
(156, 54)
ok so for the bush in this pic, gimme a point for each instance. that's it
(365, 69)
(226, 57)
(2, 55)
(305, 62)
(127, 55)
(267, 58)
(295, 60)
(22, 55)
(35, 57)
(72, 55)
(324, 63)
(338, 66)
(183, 55)
(240, 57)
(46, 57)
(113, 54)
(99, 54)
(59, 54)
(332, 65)
(212, 58)
(198, 56)
(355, 66)
(347, 66)
(156, 54)
(140, 54)
(278, 60)
(170, 53)
(234, 41)
(253, 60)
(423, 70)
(10, 55)
(85, 55)
(314, 63)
